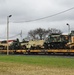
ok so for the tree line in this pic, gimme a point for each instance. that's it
(41, 33)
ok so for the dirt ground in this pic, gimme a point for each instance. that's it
(24, 69)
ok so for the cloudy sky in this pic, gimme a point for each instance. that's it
(29, 10)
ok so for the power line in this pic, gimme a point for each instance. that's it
(11, 36)
(51, 15)
(14, 36)
(43, 18)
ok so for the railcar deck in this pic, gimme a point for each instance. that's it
(45, 51)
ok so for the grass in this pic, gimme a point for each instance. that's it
(40, 60)
(36, 65)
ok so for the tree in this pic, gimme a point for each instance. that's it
(38, 33)
(41, 33)
(32, 33)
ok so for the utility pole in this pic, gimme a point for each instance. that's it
(21, 35)
(8, 33)
(68, 30)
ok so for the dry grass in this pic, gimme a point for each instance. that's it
(24, 69)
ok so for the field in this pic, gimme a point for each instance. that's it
(36, 65)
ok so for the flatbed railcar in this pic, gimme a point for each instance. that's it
(55, 43)
(47, 51)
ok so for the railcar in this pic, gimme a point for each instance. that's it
(55, 43)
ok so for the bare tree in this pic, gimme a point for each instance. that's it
(38, 33)
(32, 33)
(41, 33)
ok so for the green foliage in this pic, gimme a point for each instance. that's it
(46, 61)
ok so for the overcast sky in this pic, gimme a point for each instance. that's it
(25, 10)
